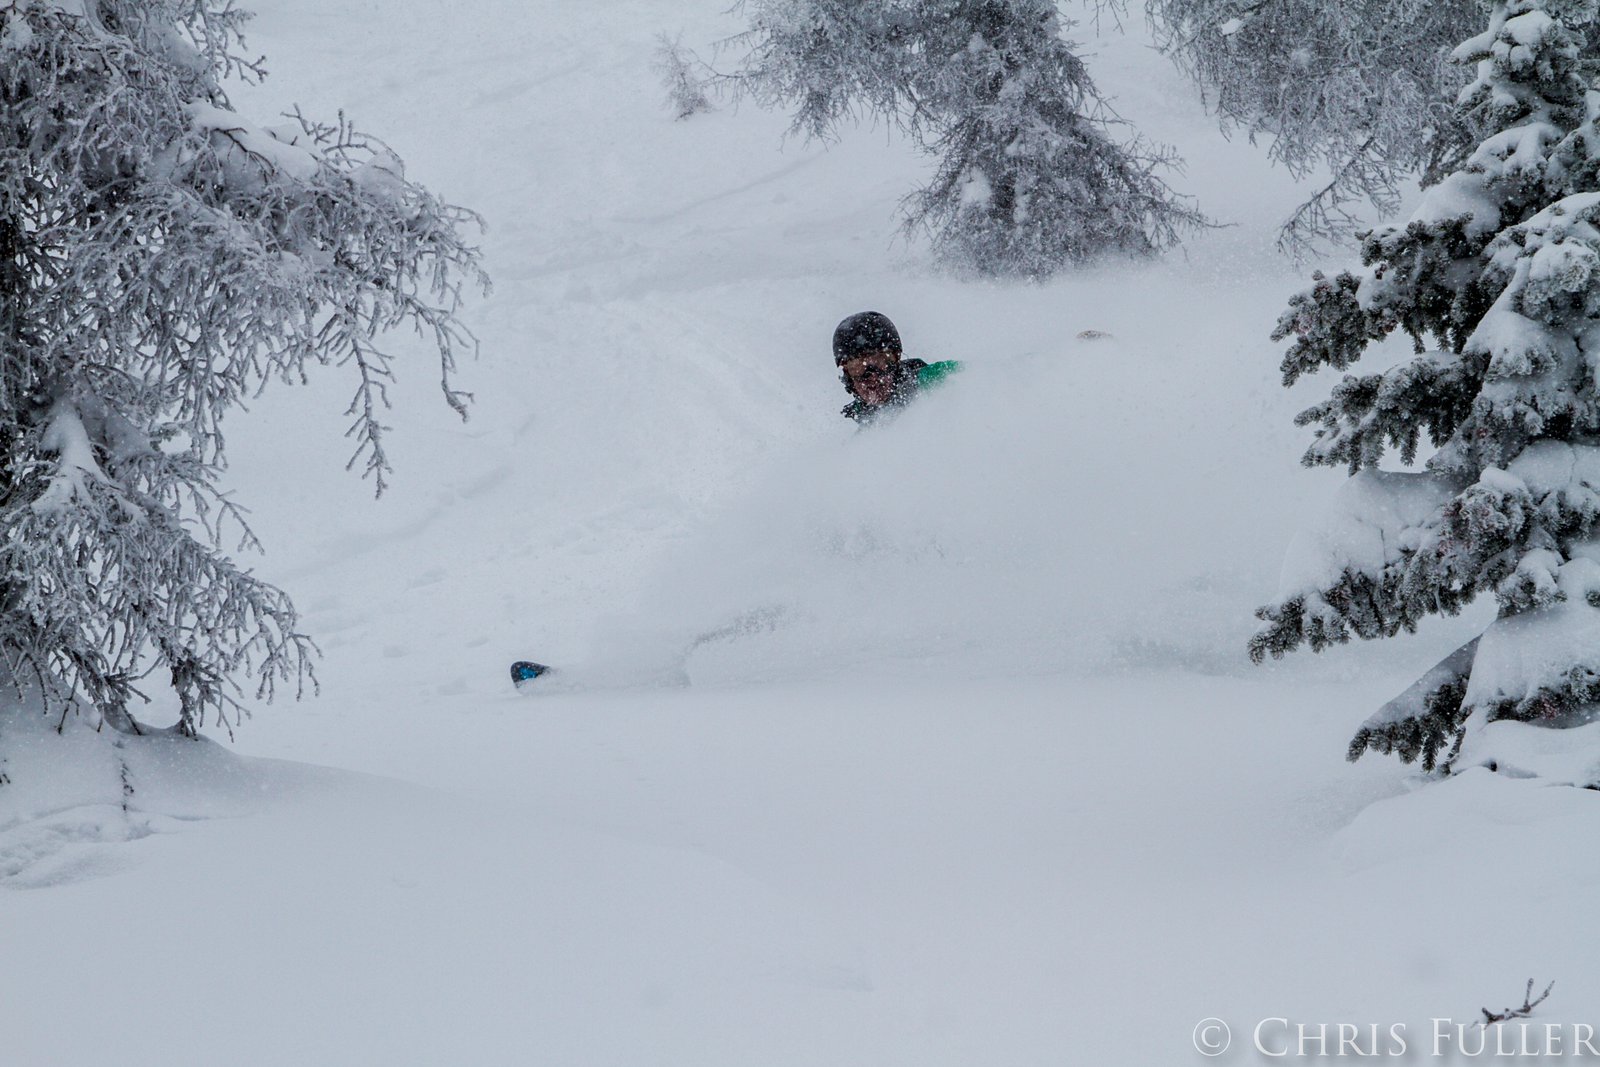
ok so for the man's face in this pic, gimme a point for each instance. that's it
(871, 376)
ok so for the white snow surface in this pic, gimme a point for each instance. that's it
(934, 744)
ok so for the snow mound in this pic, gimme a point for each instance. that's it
(1555, 756)
(72, 791)
(1454, 825)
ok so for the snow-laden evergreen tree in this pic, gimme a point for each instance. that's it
(1354, 91)
(1496, 280)
(1029, 178)
(161, 258)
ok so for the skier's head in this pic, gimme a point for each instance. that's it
(866, 349)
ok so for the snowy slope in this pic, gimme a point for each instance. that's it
(970, 767)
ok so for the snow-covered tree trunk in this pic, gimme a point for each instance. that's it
(161, 257)
(1496, 278)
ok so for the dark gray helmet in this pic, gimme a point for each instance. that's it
(865, 331)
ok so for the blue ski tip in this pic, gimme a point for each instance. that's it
(524, 671)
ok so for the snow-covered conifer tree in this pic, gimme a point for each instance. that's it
(1356, 90)
(161, 257)
(1496, 279)
(1355, 93)
(1029, 178)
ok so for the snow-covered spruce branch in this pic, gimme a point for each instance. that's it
(162, 258)
(1424, 722)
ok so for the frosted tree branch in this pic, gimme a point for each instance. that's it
(161, 259)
